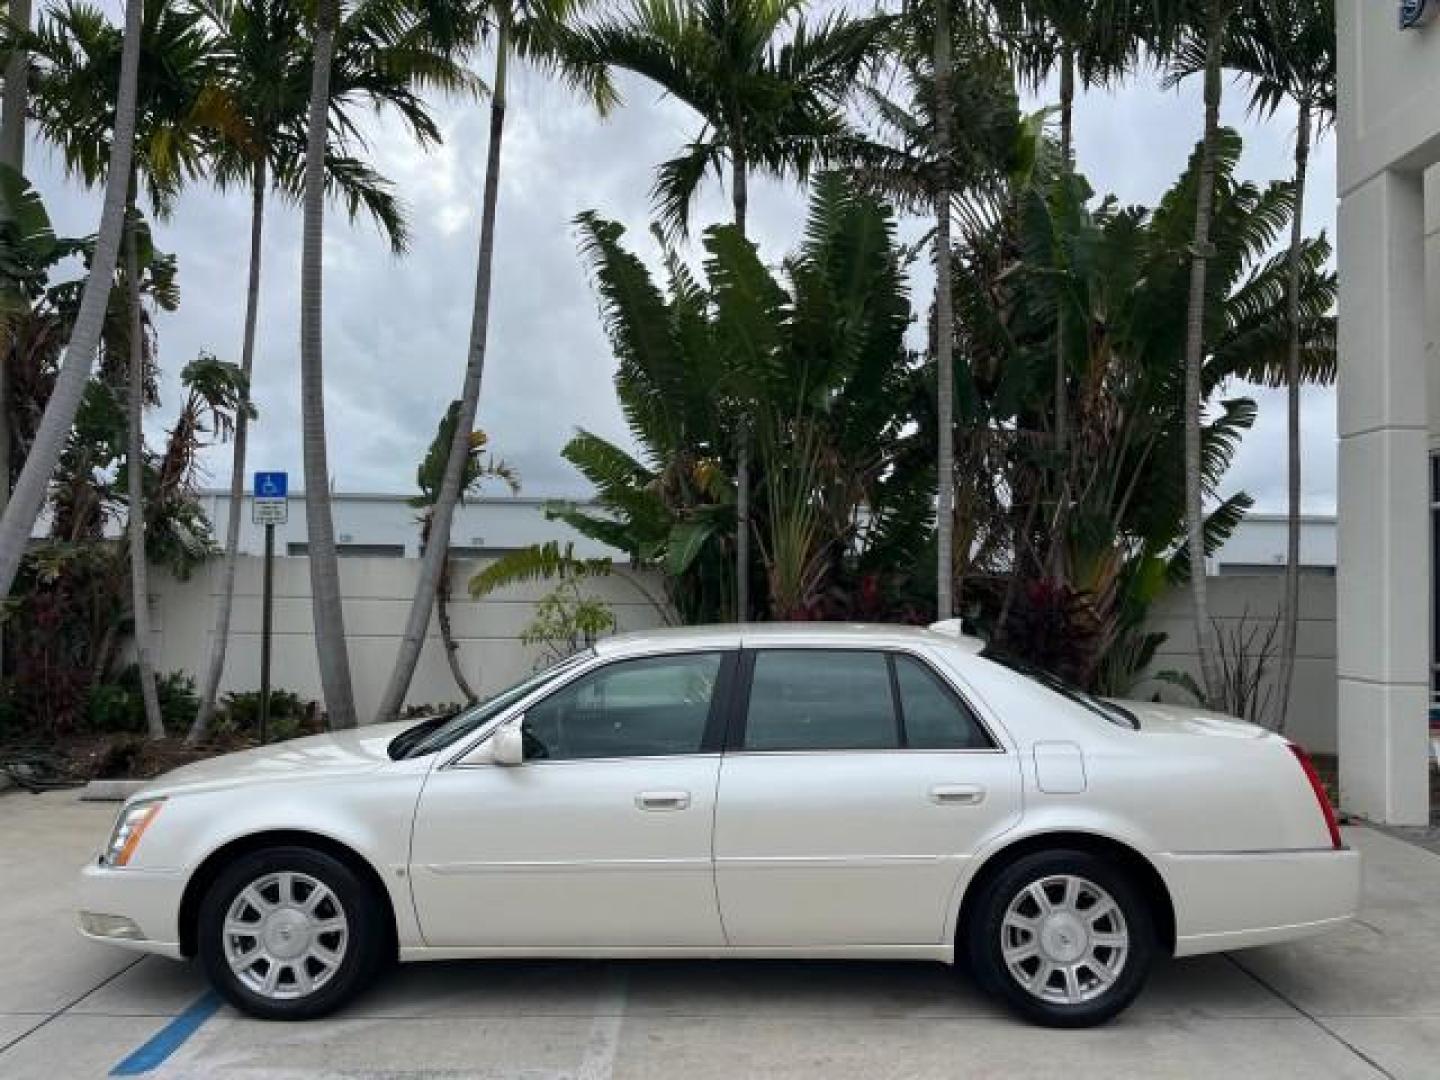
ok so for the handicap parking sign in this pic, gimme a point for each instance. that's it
(272, 485)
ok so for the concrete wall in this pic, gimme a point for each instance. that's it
(1236, 599)
(377, 592)
(378, 597)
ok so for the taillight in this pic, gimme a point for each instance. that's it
(1319, 789)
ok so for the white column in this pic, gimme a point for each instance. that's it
(1383, 588)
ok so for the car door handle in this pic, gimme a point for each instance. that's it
(957, 794)
(663, 800)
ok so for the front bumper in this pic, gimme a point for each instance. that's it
(136, 909)
(1232, 900)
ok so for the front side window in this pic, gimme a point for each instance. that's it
(633, 708)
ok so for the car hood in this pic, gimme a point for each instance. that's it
(340, 753)
(1160, 718)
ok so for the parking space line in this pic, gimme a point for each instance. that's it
(170, 1038)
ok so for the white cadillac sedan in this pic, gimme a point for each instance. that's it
(757, 791)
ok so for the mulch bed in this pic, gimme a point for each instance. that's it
(71, 760)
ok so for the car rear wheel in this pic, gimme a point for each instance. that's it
(1063, 937)
(289, 933)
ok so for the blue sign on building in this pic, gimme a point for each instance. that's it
(1416, 13)
(272, 485)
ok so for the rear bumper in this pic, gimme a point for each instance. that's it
(1233, 900)
(135, 909)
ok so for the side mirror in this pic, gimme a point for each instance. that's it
(507, 745)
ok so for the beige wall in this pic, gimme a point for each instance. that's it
(377, 597)
(377, 594)
(1256, 599)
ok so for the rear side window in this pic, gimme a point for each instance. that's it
(811, 699)
(935, 718)
(818, 699)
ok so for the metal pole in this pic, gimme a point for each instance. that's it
(266, 614)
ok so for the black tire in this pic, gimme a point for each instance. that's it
(361, 949)
(986, 933)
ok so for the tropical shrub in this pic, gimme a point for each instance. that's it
(290, 715)
(815, 350)
(116, 707)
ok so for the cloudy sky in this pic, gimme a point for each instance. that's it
(395, 329)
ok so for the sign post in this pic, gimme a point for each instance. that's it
(271, 507)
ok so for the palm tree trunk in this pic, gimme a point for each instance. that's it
(1219, 13)
(135, 482)
(944, 325)
(438, 547)
(740, 196)
(447, 635)
(1055, 561)
(29, 494)
(329, 616)
(1290, 624)
(12, 118)
(12, 153)
(1067, 151)
(220, 640)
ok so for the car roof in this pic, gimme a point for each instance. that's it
(735, 635)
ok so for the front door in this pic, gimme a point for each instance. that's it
(602, 837)
(859, 785)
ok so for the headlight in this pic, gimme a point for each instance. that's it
(130, 827)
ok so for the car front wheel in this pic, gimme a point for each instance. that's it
(289, 933)
(1063, 937)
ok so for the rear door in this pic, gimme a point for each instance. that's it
(855, 786)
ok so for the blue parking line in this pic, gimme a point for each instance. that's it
(169, 1038)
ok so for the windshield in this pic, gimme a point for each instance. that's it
(437, 733)
(1107, 710)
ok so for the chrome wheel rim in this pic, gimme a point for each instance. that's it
(285, 935)
(1064, 939)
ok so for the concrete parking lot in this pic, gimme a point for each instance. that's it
(1363, 1002)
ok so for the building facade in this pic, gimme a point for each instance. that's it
(1389, 402)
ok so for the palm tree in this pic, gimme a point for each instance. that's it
(431, 33)
(12, 154)
(264, 60)
(330, 646)
(1090, 44)
(1206, 26)
(76, 48)
(905, 164)
(429, 477)
(1286, 50)
(944, 320)
(534, 30)
(29, 494)
(766, 86)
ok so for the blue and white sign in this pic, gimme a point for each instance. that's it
(272, 485)
(271, 505)
(1415, 13)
